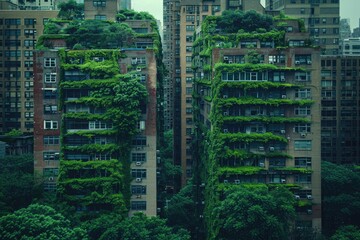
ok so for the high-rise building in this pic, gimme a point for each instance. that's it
(340, 103)
(189, 16)
(345, 31)
(20, 25)
(94, 143)
(321, 18)
(257, 113)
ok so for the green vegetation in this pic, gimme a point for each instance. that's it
(254, 213)
(38, 222)
(17, 187)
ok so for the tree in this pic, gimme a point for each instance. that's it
(341, 197)
(181, 210)
(38, 222)
(347, 233)
(17, 185)
(142, 227)
(71, 10)
(255, 213)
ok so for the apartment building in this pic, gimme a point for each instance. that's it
(20, 27)
(321, 18)
(340, 104)
(90, 145)
(192, 14)
(257, 113)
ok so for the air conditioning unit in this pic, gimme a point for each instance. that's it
(309, 211)
(261, 148)
(282, 131)
(138, 163)
(271, 149)
(309, 62)
(230, 61)
(297, 62)
(283, 180)
(282, 79)
(297, 197)
(139, 148)
(226, 130)
(226, 181)
(237, 181)
(226, 58)
(309, 197)
(51, 179)
(138, 69)
(226, 113)
(225, 96)
(303, 134)
(261, 164)
(283, 96)
(138, 196)
(138, 180)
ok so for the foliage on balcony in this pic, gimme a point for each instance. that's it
(293, 170)
(93, 148)
(264, 119)
(257, 101)
(92, 133)
(252, 137)
(236, 67)
(256, 85)
(244, 154)
(304, 203)
(245, 170)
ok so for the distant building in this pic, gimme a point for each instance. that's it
(17, 145)
(340, 141)
(322, 20)
(350, 47)
(345, 31)
(21, 23)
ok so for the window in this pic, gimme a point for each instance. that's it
(101, 156)
(29, 104)
(29, 32)
(138, 205)
(99, 3)
(50, 78)
(138, 157)
(273, 162)
(30, 21)
(29, 43)
(189, 90)
(49, 62)
(28, 53)
(29, 114)
(189, 38)
(190, 28)
(139, 141)
(51, 140)
(302, 161)
(50, 172)
(188, 49)
(138, 189)
(189, 110)
(29, 74)
(13, 21)
(303, 128)
(188, 58)
(50, 109)
(99, 125)
(305, 178)
(302, 111)
(28, 64)
(51, 156)
(50, 94)
(303, 93)
(100, 17)
(50, 124)
(304, 145)
(189, 80)
(190, 18)
(138, 173)
(188, 99)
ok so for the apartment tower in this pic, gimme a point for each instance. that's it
(21, 23)
(321, 18)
